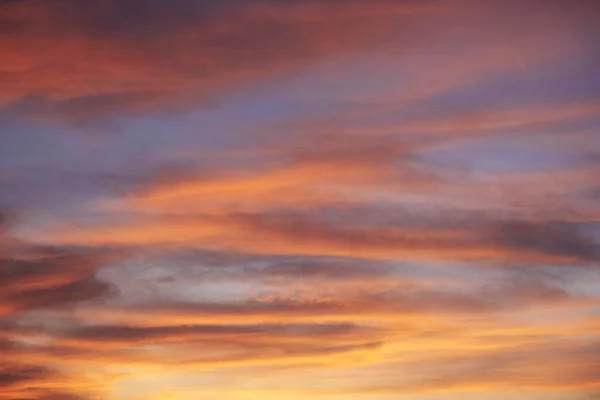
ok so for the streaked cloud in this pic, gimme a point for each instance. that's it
(297, 199)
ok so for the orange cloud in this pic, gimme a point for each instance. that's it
(342, 257)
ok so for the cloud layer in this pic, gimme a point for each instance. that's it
(298, 199)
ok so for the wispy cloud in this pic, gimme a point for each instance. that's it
(367, 200)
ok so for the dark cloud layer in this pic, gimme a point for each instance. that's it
(555, 238)
(19, 374)
(47, 278)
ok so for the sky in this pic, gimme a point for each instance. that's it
(299, 199)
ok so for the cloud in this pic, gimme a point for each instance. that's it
(21, 374)
(207, 345)
(382, 298)
(555, 238)
(303, 234)
(27, 382)
(247, 343)
(36, 278)
(39, 278)
(415, 207)
(81, 61)
(560, 365)
(361, 198)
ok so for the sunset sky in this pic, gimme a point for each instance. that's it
(299, 199)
